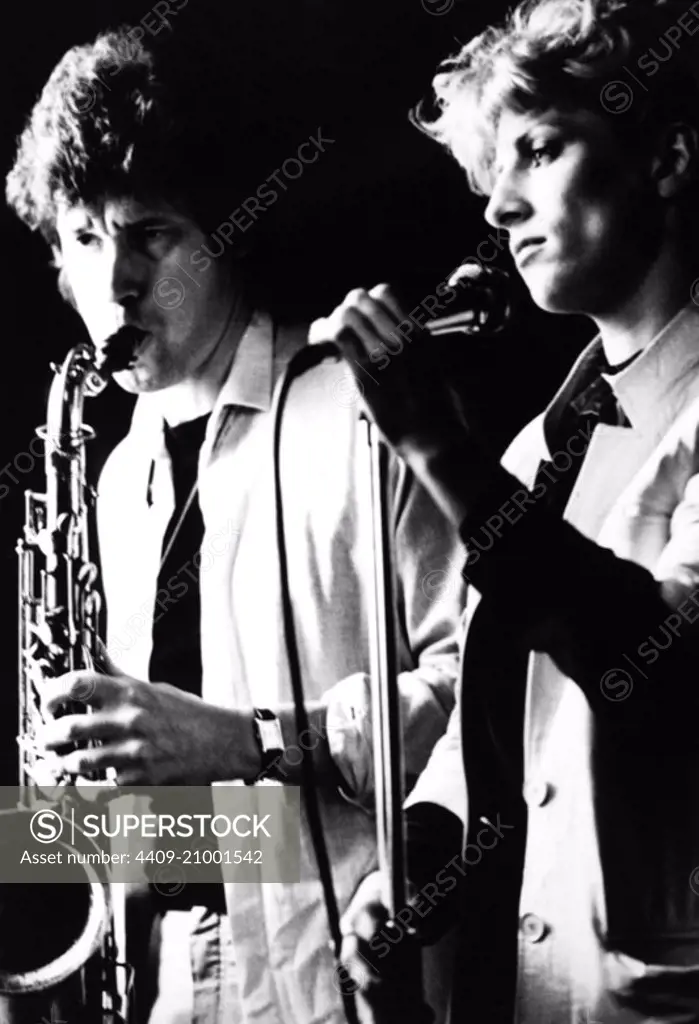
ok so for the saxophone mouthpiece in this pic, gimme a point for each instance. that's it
(118, 351)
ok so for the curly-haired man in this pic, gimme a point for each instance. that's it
(127, 174)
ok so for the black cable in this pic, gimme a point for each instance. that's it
(300, 363)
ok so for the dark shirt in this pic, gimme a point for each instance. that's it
(176, 653)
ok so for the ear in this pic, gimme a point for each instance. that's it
(675, 165)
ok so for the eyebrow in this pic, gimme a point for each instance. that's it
(150, 220)
(86, 221)
(556, 123)
(559, 122)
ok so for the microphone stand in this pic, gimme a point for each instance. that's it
(483, 304)
(387, 739)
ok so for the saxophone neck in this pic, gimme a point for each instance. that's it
(74, 378)
(85, 371)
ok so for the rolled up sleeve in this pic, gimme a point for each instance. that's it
(430, 598)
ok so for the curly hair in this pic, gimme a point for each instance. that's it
(118, 118)
(563, 53)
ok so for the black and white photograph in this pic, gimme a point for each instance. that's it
(349, 512)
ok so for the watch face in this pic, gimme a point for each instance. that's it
(270, 734)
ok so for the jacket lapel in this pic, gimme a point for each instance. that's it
(613, 458)
(652, 391)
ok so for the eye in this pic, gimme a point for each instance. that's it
(86, 238)
(544, 152)
(152, 239)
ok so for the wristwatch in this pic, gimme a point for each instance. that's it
(269, 739)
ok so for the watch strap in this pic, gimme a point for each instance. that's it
(270, 741)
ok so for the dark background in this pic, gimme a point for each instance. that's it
(383, 203)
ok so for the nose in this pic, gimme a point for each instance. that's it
(508, 204)
(128, 272)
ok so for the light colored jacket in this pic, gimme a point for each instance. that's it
(609, 906)
(280, 935)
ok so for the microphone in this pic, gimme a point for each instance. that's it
(481, 302)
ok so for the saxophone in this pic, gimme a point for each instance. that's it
(80, 976)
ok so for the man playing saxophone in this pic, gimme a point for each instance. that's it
(128, 176)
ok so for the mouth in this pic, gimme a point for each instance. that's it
(524, 249)
(121, 349)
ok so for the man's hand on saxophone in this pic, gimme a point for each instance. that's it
(152, 734)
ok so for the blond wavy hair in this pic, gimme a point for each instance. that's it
(562, 53)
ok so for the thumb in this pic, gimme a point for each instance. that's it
(318, 331)
(361, 921)
(103, 661)
(366, 913)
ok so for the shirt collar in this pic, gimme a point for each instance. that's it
(652, 388)
(249, 382)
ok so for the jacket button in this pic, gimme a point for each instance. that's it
(533, 928)
(537, 793)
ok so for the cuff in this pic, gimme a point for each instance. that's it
(349, 732)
